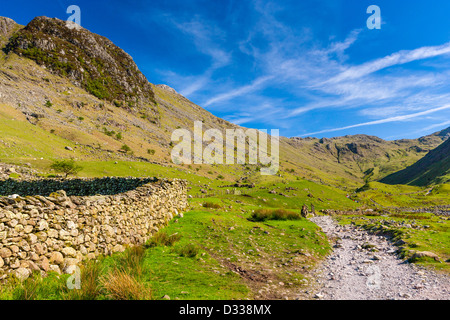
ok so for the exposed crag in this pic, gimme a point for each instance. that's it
(90, 61)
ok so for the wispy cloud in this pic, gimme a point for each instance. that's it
(206, 38)
(394, 59)
(255, 85)
(386, 120)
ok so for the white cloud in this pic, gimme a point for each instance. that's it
(394, 59)
(255, 85)
(387, 120)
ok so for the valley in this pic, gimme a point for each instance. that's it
(78, 96)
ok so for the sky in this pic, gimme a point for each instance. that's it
(305, 67)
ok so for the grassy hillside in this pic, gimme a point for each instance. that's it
(434, 168)
(384, 196)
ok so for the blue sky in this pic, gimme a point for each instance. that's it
(306, 67)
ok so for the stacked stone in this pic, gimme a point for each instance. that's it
(57, 232)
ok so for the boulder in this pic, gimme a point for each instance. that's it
(424, 254)
(22, 273)
(56, 258)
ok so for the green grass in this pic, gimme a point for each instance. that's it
(385, 196)
(278, 214)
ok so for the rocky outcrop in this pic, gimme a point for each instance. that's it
(7, 28)
(90, 61)
(56, 232)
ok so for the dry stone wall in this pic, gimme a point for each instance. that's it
(58, 231)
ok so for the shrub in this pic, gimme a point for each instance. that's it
(125, 148)
(278, 214)
(162, 238)
(108, 132)
(118, 104)
(48, 104)
(221, 177)
(68, 167)
(151, 151)
(119, 136)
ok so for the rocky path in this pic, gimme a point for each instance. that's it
(365, 267)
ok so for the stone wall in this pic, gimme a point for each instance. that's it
(56, 232)
(72, 187)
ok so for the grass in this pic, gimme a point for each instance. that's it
(90, 286)
(122, 286)
(386, 196)
(189, 250)
(277, 214)
(162, 238)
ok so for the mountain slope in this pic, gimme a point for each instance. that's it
(434, 168)
(367, 157)
(81, 90)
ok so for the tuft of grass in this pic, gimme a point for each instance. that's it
(28, 289)
(34, 288)
(131, 261)
(189, 250)
(122, 286)
(162, 238)
(90, 280)
(212, 205)
(277, 214)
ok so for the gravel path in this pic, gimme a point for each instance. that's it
(355, 272)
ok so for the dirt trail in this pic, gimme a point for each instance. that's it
(354, 272)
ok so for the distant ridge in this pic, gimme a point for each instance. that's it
(434, 168)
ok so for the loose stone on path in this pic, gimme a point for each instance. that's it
(365, 267)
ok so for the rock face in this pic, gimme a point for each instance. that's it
(7, 27)
(90, 61)
(56, 232)
(167, 88)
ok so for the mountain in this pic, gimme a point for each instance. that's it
(7, 28)
(90, 61)
(71, 93)
(367, 157)
(46, 76)
(434, 168)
